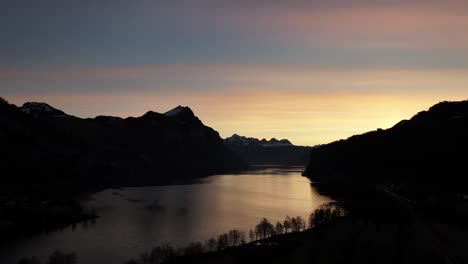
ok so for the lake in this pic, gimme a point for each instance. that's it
(132, 220)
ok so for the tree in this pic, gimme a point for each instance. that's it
(242, 238)
(236, 238)
(279, 228)
(210, 245)
(293, 224)
(324, 214)
(193, 249)
(251, 235)
(265, 228)
(311, 222)
(287, 224)
(301, 225)
(158, 254)
(223, 241)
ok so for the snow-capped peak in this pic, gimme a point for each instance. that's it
(37, 109)
(177, 111)
(239, 140)
(244, 141)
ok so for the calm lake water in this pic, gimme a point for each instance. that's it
(135, 219)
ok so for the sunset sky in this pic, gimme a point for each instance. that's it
(309, 71)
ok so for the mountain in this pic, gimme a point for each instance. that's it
(244, 141)
(41, 110)
(44, 148)
(426, 154)
(268, 152)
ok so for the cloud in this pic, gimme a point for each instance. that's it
(222, 77)
(361, 24)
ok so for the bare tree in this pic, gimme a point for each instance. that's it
(236, 238)
(301, 225)
(223, 241)
(193, 249)
(265, 228)
(251, 235)
(242, 241)
(158, 254)
(210, 245)
(311, 222)
(279, 228)
(293, 224)
(287, 224)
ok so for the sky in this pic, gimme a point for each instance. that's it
(310, 71)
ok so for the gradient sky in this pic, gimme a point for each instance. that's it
(310, 71)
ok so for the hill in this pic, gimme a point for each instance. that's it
(424, 155)
(45, 148)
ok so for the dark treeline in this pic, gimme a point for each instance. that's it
(259, 235)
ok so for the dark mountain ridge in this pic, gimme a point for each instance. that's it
(268, 152)
(426, 154)
(43, 147)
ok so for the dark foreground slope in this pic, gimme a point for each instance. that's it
(268, 152)
(426, 154)
(44, 148)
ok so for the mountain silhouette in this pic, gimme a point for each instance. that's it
(268, 152)
(43, 147)
(426, 154)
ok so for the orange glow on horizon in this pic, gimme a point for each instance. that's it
(307, 104)
(306, 118)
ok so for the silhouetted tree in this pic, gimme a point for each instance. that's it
(223, 241)
(287, 224)
(265, 228)
(324, 213)
(158, 254)
(242, 238)
(279, 228)
(251, 235)
(311, 221)
(297, 224)
(293, 224)
(233, 237)
(210, 245)
(193, 249)
(58, 257)
(236, 238)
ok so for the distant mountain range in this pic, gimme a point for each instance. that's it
(426, 154)
(43, 147)
(268, 152)
(245, 141)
